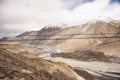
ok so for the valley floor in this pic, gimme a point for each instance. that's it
(95, 67)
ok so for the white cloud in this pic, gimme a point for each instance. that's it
(21, 15)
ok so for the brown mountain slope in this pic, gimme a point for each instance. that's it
(18, 48)
(99, 29)
(44, 33)
(112, 48)
(21, 67)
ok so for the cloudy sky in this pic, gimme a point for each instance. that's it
(18, 16)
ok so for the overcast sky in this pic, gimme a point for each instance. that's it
(18, 16)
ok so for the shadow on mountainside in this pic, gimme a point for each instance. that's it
(87, 55)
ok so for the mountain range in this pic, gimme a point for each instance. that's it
(97, 35)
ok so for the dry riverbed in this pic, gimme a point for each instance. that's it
(94, 65)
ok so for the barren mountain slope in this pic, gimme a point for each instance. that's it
(17, 66)
(88, 40)
(18, 48)
(112, 48)
(38, 37)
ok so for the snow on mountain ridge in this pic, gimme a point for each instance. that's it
(57, 25)
(103, 19)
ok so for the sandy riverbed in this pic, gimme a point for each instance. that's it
(94, 65)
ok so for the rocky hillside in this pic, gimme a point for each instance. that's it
(18, 66)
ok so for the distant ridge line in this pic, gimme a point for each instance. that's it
(70, 34)
(60, 38)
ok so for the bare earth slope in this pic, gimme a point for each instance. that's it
(17, 66)
(18, 48)
(98, 29)
(38, 37)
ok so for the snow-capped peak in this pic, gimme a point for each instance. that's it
(58, 25)
(106, 19)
